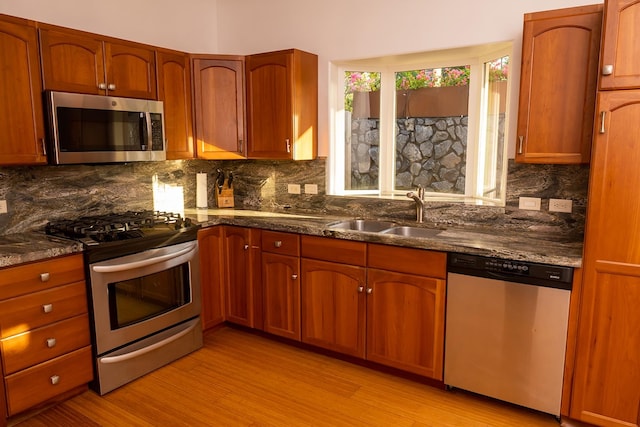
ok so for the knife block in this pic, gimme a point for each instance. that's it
(224, 197)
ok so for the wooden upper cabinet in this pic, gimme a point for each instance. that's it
(75, 61)
(174, 89)
(21, 120)
(218, 92)
(620, 68)
(607, 362)
(282, 105)
(558, 85)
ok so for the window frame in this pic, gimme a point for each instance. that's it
(475, 57)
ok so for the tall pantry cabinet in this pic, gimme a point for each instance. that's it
(606, 387)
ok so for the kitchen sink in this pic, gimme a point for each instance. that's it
(412, 231)
(367, 225)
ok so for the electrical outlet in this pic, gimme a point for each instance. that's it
(3, 206)
(293, 188)
(560, 205)
(311, 189)
(529, 203)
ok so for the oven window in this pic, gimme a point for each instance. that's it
(135, 300)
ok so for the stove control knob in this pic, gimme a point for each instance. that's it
(44, 277)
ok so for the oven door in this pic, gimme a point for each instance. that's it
(137, 295)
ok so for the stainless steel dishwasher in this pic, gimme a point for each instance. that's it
(506, 329)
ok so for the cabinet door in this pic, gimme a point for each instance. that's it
(218, 87)
(405, 322)
(242, 270)
(558, 85)
(174, 89)
(333, 306)
(281, 295)
(72, 61)
(607, 370)
(212, 277)
(620, 68)
(282, 105)
(21, 122)
(130, 70)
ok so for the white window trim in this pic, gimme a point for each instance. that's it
(474, 56)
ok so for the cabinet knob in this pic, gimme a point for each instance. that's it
(51, 342)
(277, 243)
(47, 308)
(607, 70)
(55, 379)
(369, 291)
(360, 289)
(246, 247)
(294, 276)
(111, 86)
(44, 277)
(102, 86)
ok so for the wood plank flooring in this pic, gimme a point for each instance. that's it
(240, 379)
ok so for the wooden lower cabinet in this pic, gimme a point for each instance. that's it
(388, 317)
(405, 322)
(281, 295)
(334, 306)
(211, 276)
(242, 276)
(45, 344)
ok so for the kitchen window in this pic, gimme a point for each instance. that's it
(435, 120)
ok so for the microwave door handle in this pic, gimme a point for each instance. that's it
(147, 126)
(138, 264)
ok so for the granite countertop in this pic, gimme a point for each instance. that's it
(528, 245)
(33, 246)
(508, 244)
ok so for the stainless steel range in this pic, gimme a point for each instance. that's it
(143, 276)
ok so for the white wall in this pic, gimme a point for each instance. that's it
(186, 25)
(353, 29)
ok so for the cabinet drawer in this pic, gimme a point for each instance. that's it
(37, 276)
(334, 250)
(39, 383)
(281, 243)
(31, 311)
(408, 260)
(41, 344)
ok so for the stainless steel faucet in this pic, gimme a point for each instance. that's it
(419, 199)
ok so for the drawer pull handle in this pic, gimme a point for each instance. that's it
(55, 379)
(47, 308)
(44, 277)
(294, 276)
(277, 243)
(51, 342)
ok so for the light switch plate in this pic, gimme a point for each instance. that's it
(560, 205)
(529, 203)
(293, 188)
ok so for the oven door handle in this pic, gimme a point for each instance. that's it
(140, 352)
(138, 264)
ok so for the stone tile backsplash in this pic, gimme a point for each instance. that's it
(38, 194)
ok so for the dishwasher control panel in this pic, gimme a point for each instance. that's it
(510, 270)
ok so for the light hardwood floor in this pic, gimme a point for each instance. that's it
(240, 379)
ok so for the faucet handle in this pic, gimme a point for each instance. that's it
(420, 192)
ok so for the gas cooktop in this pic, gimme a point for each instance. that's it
(116, 234)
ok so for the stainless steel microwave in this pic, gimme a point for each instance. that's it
(104, 129)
